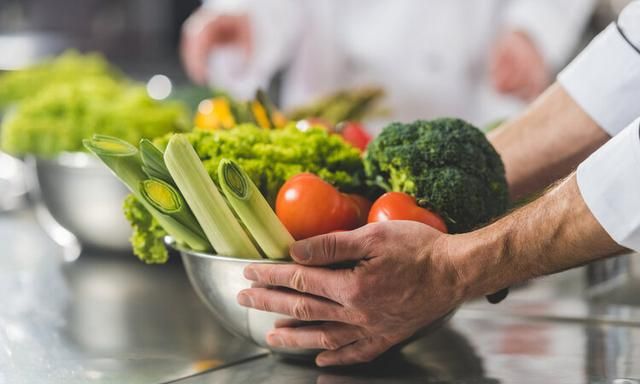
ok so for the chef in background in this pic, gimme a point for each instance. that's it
(478, 60)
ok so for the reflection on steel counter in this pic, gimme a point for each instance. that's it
(102, 319)
(483, 345)
(615, 280)
(446, 356)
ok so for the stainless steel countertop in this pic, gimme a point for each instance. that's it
(477, 348)
(107, 318)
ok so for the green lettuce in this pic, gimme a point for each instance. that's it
(58, 117)
(68, 68)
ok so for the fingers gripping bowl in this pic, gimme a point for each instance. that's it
(217, 280)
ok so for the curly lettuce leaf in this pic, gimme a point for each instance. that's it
(148, 235)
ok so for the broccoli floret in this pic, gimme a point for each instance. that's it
(447, 164)
(147, 236)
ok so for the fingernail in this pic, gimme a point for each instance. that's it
(250, 274)
(300, 251)
(245, 300)
(275, 340)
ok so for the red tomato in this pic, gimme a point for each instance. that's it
(400, 206)
(364, 206)
(309, 206)
(355, 134)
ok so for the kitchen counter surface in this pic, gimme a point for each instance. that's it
(107, 318)
(104, 318)
(477, 347)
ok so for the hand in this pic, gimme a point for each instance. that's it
(402, 280)
(205, 30)
(518, 68)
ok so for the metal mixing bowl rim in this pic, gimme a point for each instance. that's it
(171, 243)
(76, 160)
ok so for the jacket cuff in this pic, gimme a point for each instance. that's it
(604, 80)
(609, 181)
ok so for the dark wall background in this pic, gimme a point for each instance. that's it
(141, 36)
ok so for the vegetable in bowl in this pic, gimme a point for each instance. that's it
(447, 164)
(268, 157)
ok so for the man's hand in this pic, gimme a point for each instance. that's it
(401, 280)
(204, 31)
(517, 67)
(406, 274)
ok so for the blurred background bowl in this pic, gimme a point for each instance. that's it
(84, 198)
(217, 280)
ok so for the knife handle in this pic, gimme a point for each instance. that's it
(497, 297)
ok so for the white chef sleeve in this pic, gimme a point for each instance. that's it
(604, 79)
(554, 26)
(609, 181)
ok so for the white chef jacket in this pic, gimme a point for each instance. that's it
(605, 81)
(430, 55)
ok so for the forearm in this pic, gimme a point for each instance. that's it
(554, 233)
(546, 142)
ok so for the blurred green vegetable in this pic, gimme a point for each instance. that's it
(68, 68)
(344, 105)
(57, 118)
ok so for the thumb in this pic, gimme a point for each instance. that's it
(332, 248)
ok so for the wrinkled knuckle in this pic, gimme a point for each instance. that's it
(329, 246)
(299, 281)
(270, 279)
(301, 310)
(327, 342)
(375, 234)
(264, 305)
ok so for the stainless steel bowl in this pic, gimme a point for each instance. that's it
(82, 196)
(218, 280)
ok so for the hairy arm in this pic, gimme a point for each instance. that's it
(554, 233)
(546, 142)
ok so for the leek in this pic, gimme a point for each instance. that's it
(254, 211)
(166, 199)
(153, 162)
(207, 204)
(124, 161)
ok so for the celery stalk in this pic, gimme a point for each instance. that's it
(207, 204)
(254, 211)
(124, 161)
